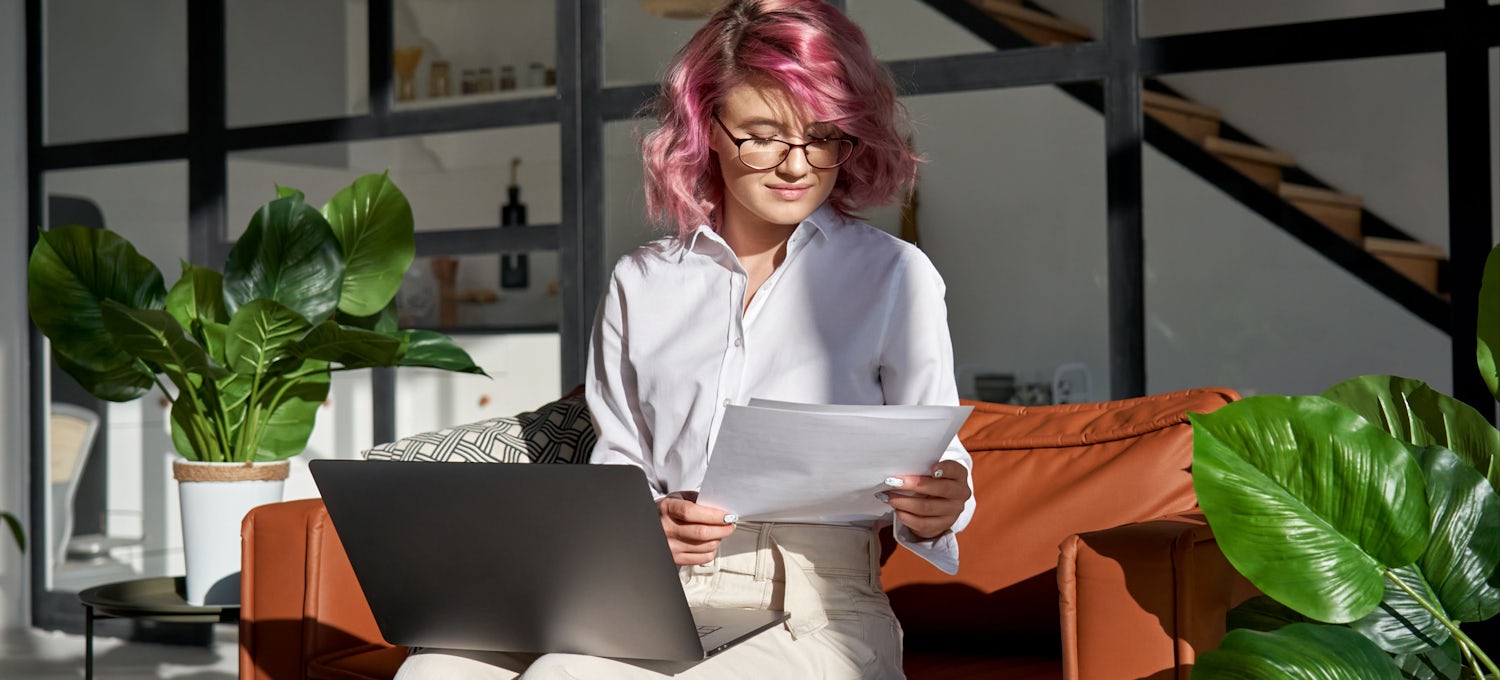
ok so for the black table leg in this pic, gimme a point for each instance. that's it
(88, 644)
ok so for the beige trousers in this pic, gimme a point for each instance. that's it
(826, 577)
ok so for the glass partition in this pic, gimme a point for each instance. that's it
(1010, 207)
(1235, 300)
(114, 69)
(279, 70)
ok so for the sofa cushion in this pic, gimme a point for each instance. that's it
(559, 432)
(1042, 474)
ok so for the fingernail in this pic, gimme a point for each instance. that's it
(731, 518)
(937, 473)
(895, 481)
(883, 498)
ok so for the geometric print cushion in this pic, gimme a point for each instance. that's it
(560, 432)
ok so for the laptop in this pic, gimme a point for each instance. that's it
(521, 558)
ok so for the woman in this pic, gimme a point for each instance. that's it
(776, 125)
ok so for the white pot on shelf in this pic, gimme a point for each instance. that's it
(215, 498)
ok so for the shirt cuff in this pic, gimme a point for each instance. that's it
(941, 552)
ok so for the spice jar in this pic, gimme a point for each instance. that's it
(485, 82)
(438, 84)
(470, 83)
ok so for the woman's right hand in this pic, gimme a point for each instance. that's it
(693, 531)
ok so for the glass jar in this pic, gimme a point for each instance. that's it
(470, 83)
(507, 77)
(485, 81)
(438, 84)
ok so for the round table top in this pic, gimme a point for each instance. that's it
(159, 598)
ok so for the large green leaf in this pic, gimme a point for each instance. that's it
(193, 432)
(260, 333)
(1301, 651)
(291, 421)
(71, 272)
(1413, 412)
(1263, 614)
(1309, 501)
(1488, 351)
(1400, 624)
(435, 350)
(127, 381)
(373, 222)
(384, 321)
(155, 337)
(290, 255)
(15, 529)
(198, 295)
(350, 347)
(1464, 548)
(1434, 663)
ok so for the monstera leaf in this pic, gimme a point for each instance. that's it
(1308, 500)
(374, 225)
(1413, 412)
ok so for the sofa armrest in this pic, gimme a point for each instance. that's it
(300, 601)
(1142, 598)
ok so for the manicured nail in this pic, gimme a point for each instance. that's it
(883, 498)
(937, 473)
(895, 482)
(731, 518)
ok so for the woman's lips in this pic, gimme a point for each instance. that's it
(789, 192)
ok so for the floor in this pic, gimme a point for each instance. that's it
(28, 654)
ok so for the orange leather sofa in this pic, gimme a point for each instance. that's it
(1085, 560)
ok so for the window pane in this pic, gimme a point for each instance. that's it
(1168, 17)
(114, 69)
(466, 51)
(311, 68)
(122, 519)
(1235, 300)
(1011, 199)
(638, 44)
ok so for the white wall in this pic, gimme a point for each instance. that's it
(15, 444)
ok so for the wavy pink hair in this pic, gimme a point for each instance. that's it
(820, 59)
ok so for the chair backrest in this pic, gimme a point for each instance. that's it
(1042, 474)
(71, 436)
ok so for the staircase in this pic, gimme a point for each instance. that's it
(1268, 181)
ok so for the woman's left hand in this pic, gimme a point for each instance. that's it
(928, 505)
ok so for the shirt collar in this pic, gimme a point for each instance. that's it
(821, 221)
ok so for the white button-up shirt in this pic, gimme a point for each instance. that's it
(852, 316)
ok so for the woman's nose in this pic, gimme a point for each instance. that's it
(795, 164)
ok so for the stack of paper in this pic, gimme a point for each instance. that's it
(780, 461)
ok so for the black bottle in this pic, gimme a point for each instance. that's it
(514, 272)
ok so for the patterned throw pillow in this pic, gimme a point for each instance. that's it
(560, 432)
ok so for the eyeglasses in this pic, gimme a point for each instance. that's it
(765, 154)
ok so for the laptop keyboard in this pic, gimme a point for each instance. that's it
(706, 630)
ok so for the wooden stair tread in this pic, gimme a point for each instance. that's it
(1299, 192)
(1166, 101)
(1000, 9)
(1250, 152)
(1403, 248)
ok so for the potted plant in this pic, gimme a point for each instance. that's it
(1368, 517)
(244, 355)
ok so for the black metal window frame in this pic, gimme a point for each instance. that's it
(1119, 60)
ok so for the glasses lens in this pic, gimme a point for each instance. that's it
(763, 154)
(829, 153)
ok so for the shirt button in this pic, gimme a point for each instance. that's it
(726, 401)
(739, 342)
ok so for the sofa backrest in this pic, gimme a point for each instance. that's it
(1042, 474)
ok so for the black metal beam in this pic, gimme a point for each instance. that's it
(624, 103)
(36, 353)
(1357, 38)
(980, 23)
(487, 240)
(381, 39)
(457, 118)
(114, 152)
(1469, 189)
(208, 173)
(580, 68)
(992, 70)
(1127, 252)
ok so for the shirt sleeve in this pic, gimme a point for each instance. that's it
(610, 389)
(916, 367)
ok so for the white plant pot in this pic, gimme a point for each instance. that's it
(215, 498)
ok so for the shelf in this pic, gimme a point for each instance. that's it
(426, 103)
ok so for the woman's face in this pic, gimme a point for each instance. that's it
(784, 195)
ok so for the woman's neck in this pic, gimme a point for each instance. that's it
(759, 246)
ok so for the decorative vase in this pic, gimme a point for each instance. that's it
(215, 498)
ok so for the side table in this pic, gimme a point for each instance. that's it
(160, 598)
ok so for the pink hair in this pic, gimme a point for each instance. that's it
(820, 59)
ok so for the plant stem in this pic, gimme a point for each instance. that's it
(1465, 644)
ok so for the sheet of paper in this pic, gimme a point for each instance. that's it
(778, 461)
